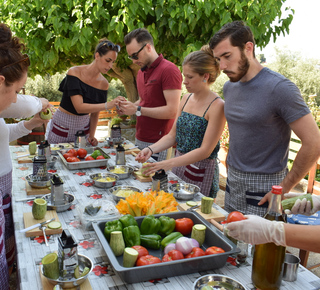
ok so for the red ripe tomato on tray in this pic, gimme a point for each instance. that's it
(73, 152)
(142, 251)
(196, 252)
(82, 153)
(184, 226)
(172, 256)
(147, 260)
(213, 250)
(100, 157)
(89, 158)
(73, 159)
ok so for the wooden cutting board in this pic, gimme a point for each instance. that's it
(133, 151)
(46, 285)
(24, 159)
(36, 191)
(142, 178)
(215, 214)
(29, 221)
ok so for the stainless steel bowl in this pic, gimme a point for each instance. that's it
(114, 141)
(127, 170)
(115, 189)
(36, 183)
(184, 191)
(83, 262)
(217, 282)
(102, 184)
(68, 200)
(51, 163)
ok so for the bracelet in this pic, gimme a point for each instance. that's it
(150, 149)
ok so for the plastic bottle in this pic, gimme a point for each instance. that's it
(268, 258)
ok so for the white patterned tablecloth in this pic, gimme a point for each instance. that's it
(31, 250)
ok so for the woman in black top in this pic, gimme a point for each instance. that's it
(85, 92)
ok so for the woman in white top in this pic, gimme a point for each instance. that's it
(13, 75)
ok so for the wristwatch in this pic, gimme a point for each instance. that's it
(138, 112)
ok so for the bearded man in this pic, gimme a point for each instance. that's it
(261, 107)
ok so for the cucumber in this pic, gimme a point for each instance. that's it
(199, 233)
(206, 204)
(191, 203)
(54, 225)
(130, 257)
(289, 202)
(117, 243)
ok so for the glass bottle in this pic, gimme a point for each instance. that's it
(268, 258)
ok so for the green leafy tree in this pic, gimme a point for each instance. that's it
(62, 33)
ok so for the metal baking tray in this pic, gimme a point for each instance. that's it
(214, 237)
(84, 164)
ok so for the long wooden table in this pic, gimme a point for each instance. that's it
(30, 250)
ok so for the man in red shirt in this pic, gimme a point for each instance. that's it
(159, 87)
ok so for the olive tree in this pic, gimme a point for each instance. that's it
(62, 33)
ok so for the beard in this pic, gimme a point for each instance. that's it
(242, 69)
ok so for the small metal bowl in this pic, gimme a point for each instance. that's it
(101, 184)
(36, 183)
(127, 170)
(115, 189)
(114, 141)
(217, 282)
(68, 200)
(184, 191)
(83, 262)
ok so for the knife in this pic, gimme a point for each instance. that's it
(36, 225)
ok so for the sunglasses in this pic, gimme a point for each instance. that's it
(135, 55)
(24, 59)
(111, 46)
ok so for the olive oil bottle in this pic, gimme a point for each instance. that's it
(268, 258)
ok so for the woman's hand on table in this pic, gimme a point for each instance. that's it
(93, 141)
(155, 166)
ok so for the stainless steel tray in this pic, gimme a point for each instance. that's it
(214, 237)
(84, 164)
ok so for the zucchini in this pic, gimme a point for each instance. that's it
(117, 243)
(54, 225)
(191, 203)
(206, 204)
(130, 257)
(289, 202)
(199, 233)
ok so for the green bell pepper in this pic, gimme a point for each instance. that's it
(150, 225)
(128, 220)
(110, 227)
(96, 153)
(167, 225)
(171, 238)
(151, 241)
(131, 235)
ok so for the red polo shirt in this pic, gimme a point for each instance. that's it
(151, 82)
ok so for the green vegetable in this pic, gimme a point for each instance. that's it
(206, 204)
(92, 210)
(150, 225)
(171, 238)
(117, 243)
(151, 241)
(110, 227)
(130, 257)
(167, 225)
(289, 202)
(199, 233)
(128, 220)
(131, 235)
(96, 153)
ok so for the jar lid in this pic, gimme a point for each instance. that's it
(276, 189)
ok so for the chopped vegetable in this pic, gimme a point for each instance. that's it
(289, 202)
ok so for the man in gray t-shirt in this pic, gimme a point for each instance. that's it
(261, 107)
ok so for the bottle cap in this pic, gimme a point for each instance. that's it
(276, 189)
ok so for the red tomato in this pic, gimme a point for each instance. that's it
(235, 216)
(147, 260)
(100, 157)
(196, 252)
(88, 158)
(172, 255)
(141, 250)
(82, 152)
(213, 250)
(73, 159)
(66, 155)
(73, 152)
(184, 226)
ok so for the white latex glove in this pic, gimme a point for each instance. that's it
(257, 230)
(303, 206)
